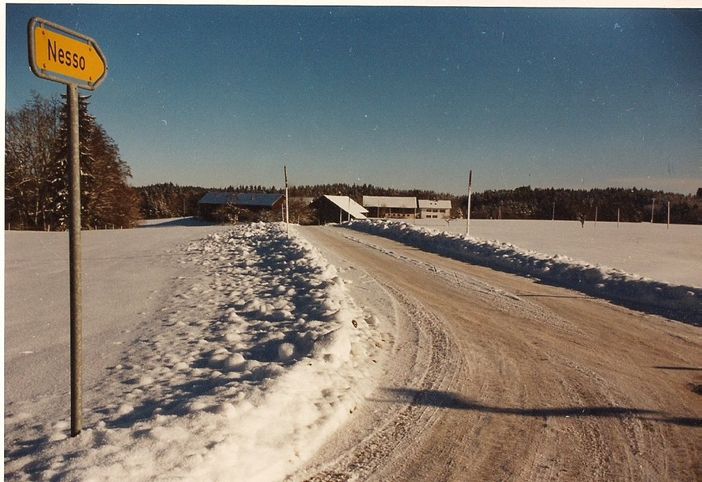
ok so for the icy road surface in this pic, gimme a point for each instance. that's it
(499, 377)
(675, 301)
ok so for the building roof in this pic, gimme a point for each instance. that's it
(349, 205)
(427, 203)
(253, 199)
(390, 202)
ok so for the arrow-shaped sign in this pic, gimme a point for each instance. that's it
(62, 55)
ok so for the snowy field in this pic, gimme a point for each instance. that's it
(553, 253)
(672, 255)
(211, 354)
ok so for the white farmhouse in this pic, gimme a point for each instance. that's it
(434, 209)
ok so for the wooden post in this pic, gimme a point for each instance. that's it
(287, 204)
(470, 192)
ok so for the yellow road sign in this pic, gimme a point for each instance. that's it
(62, 55)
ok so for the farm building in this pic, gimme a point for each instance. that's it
(434, 209)
(255, 202)
(334, 209)
(391, 207)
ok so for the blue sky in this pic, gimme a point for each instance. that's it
(403, 97)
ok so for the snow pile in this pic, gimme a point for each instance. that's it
(678, 302)
(255, 363)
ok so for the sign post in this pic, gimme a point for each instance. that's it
(470, 192)
(74, 261)
(287, 203)
(62, 55)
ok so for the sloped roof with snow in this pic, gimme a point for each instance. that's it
(390, 202)
(253, 199)
(427, 203)
(349, 205)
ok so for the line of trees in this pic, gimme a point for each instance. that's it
(634, 205)
(631, 205)
(36, 170)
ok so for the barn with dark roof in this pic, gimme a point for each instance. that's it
(251, 201)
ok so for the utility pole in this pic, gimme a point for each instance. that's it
(470, 192)
(287, 204)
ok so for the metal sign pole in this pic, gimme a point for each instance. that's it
(75, 264)
(49, 47)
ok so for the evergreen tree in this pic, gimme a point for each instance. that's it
(36, 150)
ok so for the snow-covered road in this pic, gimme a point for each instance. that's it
(515, 379)
(677, 301)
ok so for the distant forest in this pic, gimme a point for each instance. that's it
(632, 204)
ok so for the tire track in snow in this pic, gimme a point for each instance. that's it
(435, 365)
(501, 299)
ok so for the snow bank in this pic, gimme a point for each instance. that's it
(255, 364)
(683, 303)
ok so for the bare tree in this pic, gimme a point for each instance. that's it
(31, 135)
